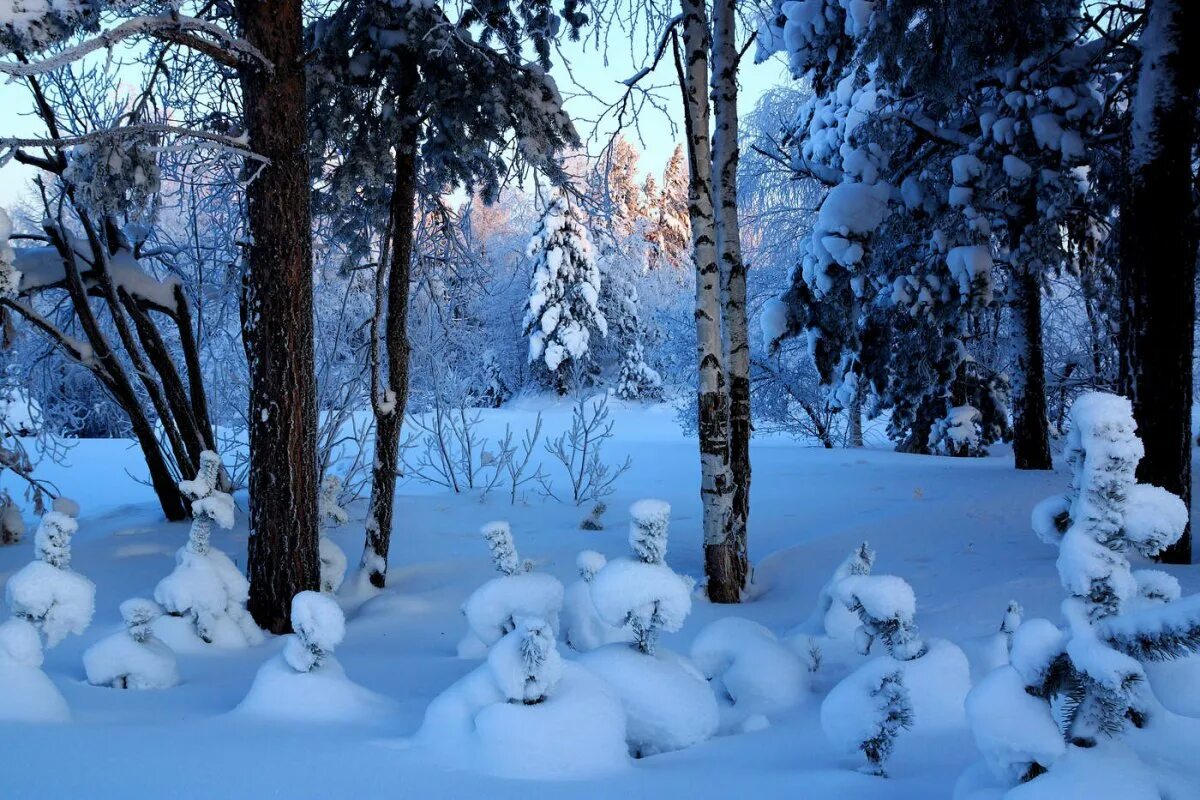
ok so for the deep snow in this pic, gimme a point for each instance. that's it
(957, 530)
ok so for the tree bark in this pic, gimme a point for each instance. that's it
(721, 556)
(390, 391)
(733, 278)
(1158, 254)
(278, 319)
(1031, 433)
(856, 415)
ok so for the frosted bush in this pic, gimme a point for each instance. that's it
(648, 530)
(526, 664)
(830, 617)
(10, 276)
(206, 588)
(134, 658)
(47, 593)
(319, 627)
(333, 559)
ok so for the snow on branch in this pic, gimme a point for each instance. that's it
(219, 141)
(172, 27)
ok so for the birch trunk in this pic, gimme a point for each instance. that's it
(720, 551)
(733, 280)
(278, 319)
(1158, 254)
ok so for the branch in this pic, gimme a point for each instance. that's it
(171, 27)
(149, 128)
(659, 50)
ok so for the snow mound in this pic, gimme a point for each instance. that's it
(1013, 730)
(26, 693)
(634, 593)
(752, 674)
(668, 703)
(322, 695)
(582, 627)
(496, 607)
(122, 662)
(209, 590)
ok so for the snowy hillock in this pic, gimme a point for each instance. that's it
(134, 658)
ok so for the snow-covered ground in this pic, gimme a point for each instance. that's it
(957, 530)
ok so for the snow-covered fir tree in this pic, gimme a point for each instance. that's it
(320, 627)
(134, 658)
(526, 663)
(563, 311)
(333, 559)
(46, 593)
(1078, 686)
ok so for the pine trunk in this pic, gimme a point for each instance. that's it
(1031, 433)
(278, 319)
(856, 415)
(391, 390)
(1158, 254)
(721, 555)
(733, 279)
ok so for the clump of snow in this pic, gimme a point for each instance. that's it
(753, 676)
(26, 693)
(10, 277)
(206, 588)
(1013, 729)
(645, 598)
(333, 559)
(773, 321)
(526, 713)
(305, 683)
(134, 658)
(46, 592)
(582, 627)
(648, 530)
(886, 607)
(831, 617)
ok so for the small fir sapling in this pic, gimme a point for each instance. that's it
(893, 713)
(134, 658)
(1090, 682)
(497, 607)
(593, 521)
(831, 617)
(206, 588)
(583, 629)
(886, 606)
(319, 626)
(46, 592)
(525, 664)
(333, 559)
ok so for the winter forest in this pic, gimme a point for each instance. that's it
(590, 398)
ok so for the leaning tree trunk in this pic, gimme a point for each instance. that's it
(721, 554)
(1031, 433)
(733, 278)
(278, 319)
(390, 391)
(1158, 254)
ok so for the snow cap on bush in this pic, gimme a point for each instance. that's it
(648, 530)
(319, 627)
(648, 598)
(526, 663)
(589, 562)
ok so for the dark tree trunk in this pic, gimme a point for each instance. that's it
(392, 391)
(856, 415)
(1031, 435)
(278, 319)
(1158, 254)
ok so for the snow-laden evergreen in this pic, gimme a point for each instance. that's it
(206, 591)
(582, 627)
(563, 312)
(133, 658)
(333, 558)
(1076, 688)
(668, 703)
(46, 592)
(498, 606)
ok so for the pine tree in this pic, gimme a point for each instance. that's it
(563, 311)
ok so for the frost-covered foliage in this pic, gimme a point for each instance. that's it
(1087, 682)
(31, 25)
(497, 607)
(115, 176)
(46, 593)
(525, 664)
(831, 617)
(649, 521)
(527, 713)
(10, 277)
(563, 313)
(206, 588)
(886, 606)
(305, 683)
(753, 675)
(333, 559)
(134, 658)
(319, 627)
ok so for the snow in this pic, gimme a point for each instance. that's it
(753, 675)
(582, 627)
(210, 592)
(962, 542)
(854, 208)
(668, 703)
(60, 601)
(319, 628)
(1013, 729)
(122, 662)
(636, 593)
(496, 607)
(321, 695)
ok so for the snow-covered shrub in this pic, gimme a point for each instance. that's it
(753, 675)
(915, 684)
(593, 521)
(10, 276)
(831, 617)
(305, 682)
(206, 588)
(134, 658)
(579, 450)
(26, 693)
(115, 176)
(333, 559)
(563, 310)
(495, 608)
(582, 627)
(1088, 683)
(959, 433)
(47, 593)
(527, 713)
(668, 703)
